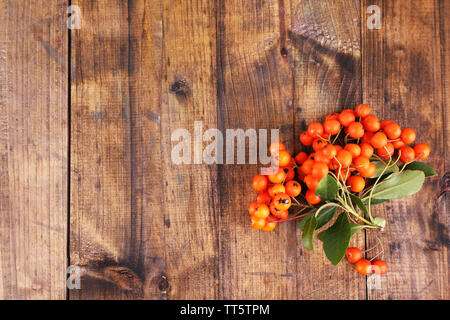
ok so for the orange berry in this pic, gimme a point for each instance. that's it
(366, 150)
(293, 188)
(422, 151)
(362, 110)
(387, 151)
(344, 158)
(329, 151)
(332, 116)
(364, 267)
(398, 144)
(262, 211)
(408, 135)
(269, 191)
(319, 170)
(371, 123)
(407, 154)
(369, 171)
(306, 139)
(361, 162)
(263, 197)
(301, 157)
(276, 147)
(282, 201)
(346, 117)
(311, 182)
(319, 144)
(282, 159)
(312, 198)
(278, 176)
(280, 214)
(366, 137)
(384, 123)
(354, 149)
(290, 173)
(393, 130)
(278, 188)
(356, 183)
(379, 140)
(356, 130)
(315, 129)
(321, 157)
(307, 166)
(353, 254)
(258, 223)
(259, 182)
(379, 266)
(331, 126)
(253, 207)
(269, 226)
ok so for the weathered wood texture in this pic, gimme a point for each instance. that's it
(402, 80)
(142, 227)
(327, 55)
(255, 90)
(137, 219)
(33, 150)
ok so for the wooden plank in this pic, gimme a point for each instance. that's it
(444, 11)
(147, 208)
(104, 240)
(255, 92)
(190, 191)
(327, 77)
(33, 144)
(402, 81)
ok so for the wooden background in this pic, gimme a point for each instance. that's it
(86, 118)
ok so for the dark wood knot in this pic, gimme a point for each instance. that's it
(181, 89)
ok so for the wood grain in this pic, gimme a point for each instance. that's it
(190, 192)
(327, 75)
(402, 81)
(254, 91)
(33, 149)
(104, 239)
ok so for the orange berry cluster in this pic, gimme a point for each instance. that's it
(349, 158)
(276, 191)
(364, 266)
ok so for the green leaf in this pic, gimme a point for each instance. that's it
(354, 228)
(359, 203)
(336, 239)
(404, 184)
(381, 222)
(380, 165)
(323, 218)
(304, 220)
(308, 233)
(327, 188)
(420, 166)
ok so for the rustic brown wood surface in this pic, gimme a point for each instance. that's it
(85, 130)
(33, 144)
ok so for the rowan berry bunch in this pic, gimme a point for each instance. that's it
(354, 161)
